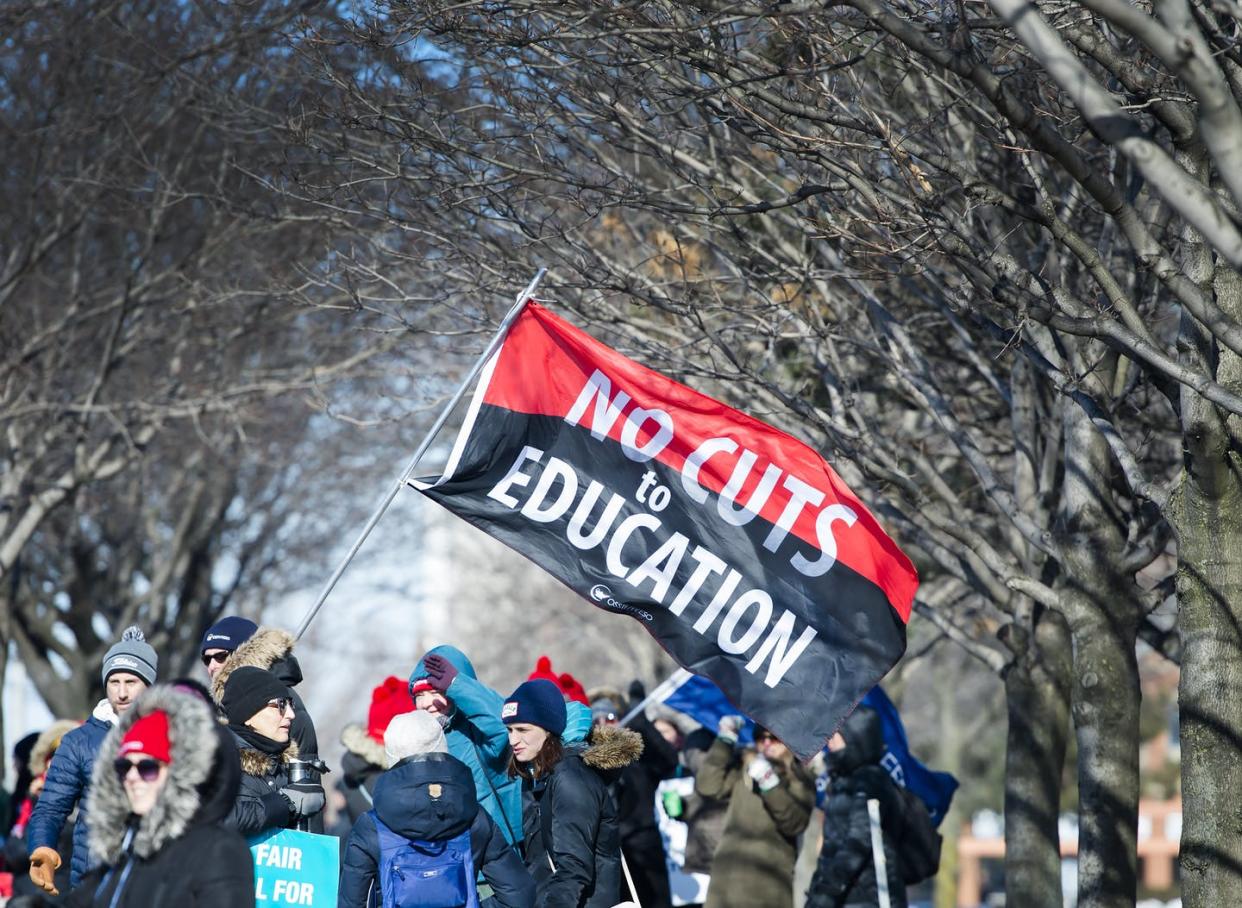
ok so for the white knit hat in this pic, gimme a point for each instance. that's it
(413, 733)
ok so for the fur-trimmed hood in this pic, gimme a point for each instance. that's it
(268, 647)
(257, 763)
(200, 787)
(611, 748)
(46, 744)
(356, 740)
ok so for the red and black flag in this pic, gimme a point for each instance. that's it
(733, 543)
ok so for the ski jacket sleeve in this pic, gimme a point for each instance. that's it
(360, 865)
(480, 706)
(718, 773)
(576, 809)
(512, 885)
(63, 787)
(789, 804)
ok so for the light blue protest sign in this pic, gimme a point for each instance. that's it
(295, 868)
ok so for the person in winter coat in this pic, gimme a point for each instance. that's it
(572, 843)
(155, 806)
(770, 799)
(444, 684)
(129, 668)
(33, 777)
(428, 796)
(635, 792)
(365, 759)
(845, 874)
(705, 817)
(267, 648)
(260, 714)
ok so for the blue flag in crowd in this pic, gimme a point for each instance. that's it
(703, 701)
(935, 789)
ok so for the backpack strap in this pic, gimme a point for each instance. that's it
(389, 841)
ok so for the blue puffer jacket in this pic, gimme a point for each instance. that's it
(67, 784)
(404, 803)
(477, 736)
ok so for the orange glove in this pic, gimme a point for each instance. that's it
(43, 865)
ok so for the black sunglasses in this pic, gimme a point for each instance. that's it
(148, 769)
(280, 704)
(215, 657)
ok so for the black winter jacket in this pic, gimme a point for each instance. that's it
(405, 803)
(572, 837)
(177, 856)
(259, 805)
(845, 875)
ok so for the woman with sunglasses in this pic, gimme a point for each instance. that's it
(770, 798)
(260, 712)
(160, 788)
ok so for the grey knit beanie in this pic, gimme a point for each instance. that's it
(132, 654)
(413, 733)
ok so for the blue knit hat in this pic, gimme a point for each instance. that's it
(228, 634)
(538, 702)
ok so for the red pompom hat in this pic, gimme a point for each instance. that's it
(388, 700)
(149, 735)
(569, 686)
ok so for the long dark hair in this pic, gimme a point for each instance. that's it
(549, 755)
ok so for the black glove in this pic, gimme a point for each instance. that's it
(638, 692)
(305, 798)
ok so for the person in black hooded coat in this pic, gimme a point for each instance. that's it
(572, 840)
(845, 876)
(428, 795)
(176, 855)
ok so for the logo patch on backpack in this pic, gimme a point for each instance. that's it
(435, 789)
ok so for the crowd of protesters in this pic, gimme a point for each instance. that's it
(451, 793)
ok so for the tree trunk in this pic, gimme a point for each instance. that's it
(1103, 616)
(1209, 589)
(1037, 694)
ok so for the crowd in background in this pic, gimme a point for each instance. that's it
(450, 793)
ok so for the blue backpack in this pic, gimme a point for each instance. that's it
(420, 874)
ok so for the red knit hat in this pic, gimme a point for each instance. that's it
(392, 698)
(568, 684)
(149, 735)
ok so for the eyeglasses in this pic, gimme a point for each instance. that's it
(280, 704)
(219, 657)
(764, 736)
(148, 769)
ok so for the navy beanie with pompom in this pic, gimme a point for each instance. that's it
(538, 702)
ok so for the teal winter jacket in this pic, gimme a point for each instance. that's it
(478, 738)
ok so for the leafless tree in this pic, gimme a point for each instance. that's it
(987, 257)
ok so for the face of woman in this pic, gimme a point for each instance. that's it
(273, 720)
(526, 741)
(143, 779)
(770, 746)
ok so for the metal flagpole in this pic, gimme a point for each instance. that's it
(508, 320)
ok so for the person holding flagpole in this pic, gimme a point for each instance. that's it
(846, 876)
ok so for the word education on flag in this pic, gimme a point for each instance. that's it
(736, 545)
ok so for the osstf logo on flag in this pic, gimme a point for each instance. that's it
(736, 545)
